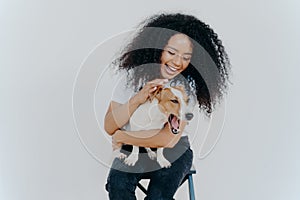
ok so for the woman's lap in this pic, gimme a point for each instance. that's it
(123, 179)
(165, 182)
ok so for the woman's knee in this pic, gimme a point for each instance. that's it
(121, 182)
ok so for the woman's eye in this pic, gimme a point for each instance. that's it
(174, 100)
(186, 58)
(170, 52)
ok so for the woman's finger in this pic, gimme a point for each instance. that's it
(149, 88)
(152, 89)
(158, 81)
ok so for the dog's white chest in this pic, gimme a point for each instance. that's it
(147, 116)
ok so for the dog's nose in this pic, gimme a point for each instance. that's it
(189, 116)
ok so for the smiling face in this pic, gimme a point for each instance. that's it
(176, 56)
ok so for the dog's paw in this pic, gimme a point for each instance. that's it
(118, 154)
(152, 155)
(131, 159)
(164, 163)
(122, 156)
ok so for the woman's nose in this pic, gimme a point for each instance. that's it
(177, 60)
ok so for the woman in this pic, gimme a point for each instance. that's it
(168, 49)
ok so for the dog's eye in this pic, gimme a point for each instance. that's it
(174, 100)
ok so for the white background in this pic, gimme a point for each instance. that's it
(44, 43)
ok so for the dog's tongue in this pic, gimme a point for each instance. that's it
(174, 122)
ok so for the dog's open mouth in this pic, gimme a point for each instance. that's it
(174, 123)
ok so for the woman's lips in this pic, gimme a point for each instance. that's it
(170, 70)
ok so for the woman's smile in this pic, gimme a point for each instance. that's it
(171, 70)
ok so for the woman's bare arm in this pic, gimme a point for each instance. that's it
(118, 114)
(150, 138)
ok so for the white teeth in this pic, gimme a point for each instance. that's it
(171, 68)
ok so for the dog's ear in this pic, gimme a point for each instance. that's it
(156, 94)
(182, 89)
(179, 87)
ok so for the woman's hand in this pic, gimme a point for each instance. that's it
(118, 114)
(115, 144)
(142, 96)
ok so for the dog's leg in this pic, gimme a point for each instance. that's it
(162, 161)
(151, 154)
(133, 157)
(118, 154)
(117, 151)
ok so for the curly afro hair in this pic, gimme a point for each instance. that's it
(208, 72)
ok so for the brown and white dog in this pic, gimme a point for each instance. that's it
(167, 105)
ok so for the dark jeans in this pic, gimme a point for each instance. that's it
(122, 179)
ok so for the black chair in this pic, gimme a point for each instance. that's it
(188, 177)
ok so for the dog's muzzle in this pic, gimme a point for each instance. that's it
(175, 131)
(189, 116)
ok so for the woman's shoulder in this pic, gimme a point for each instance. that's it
(121, 91)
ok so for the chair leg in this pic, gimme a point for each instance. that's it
(142, 188)
(191, 187)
